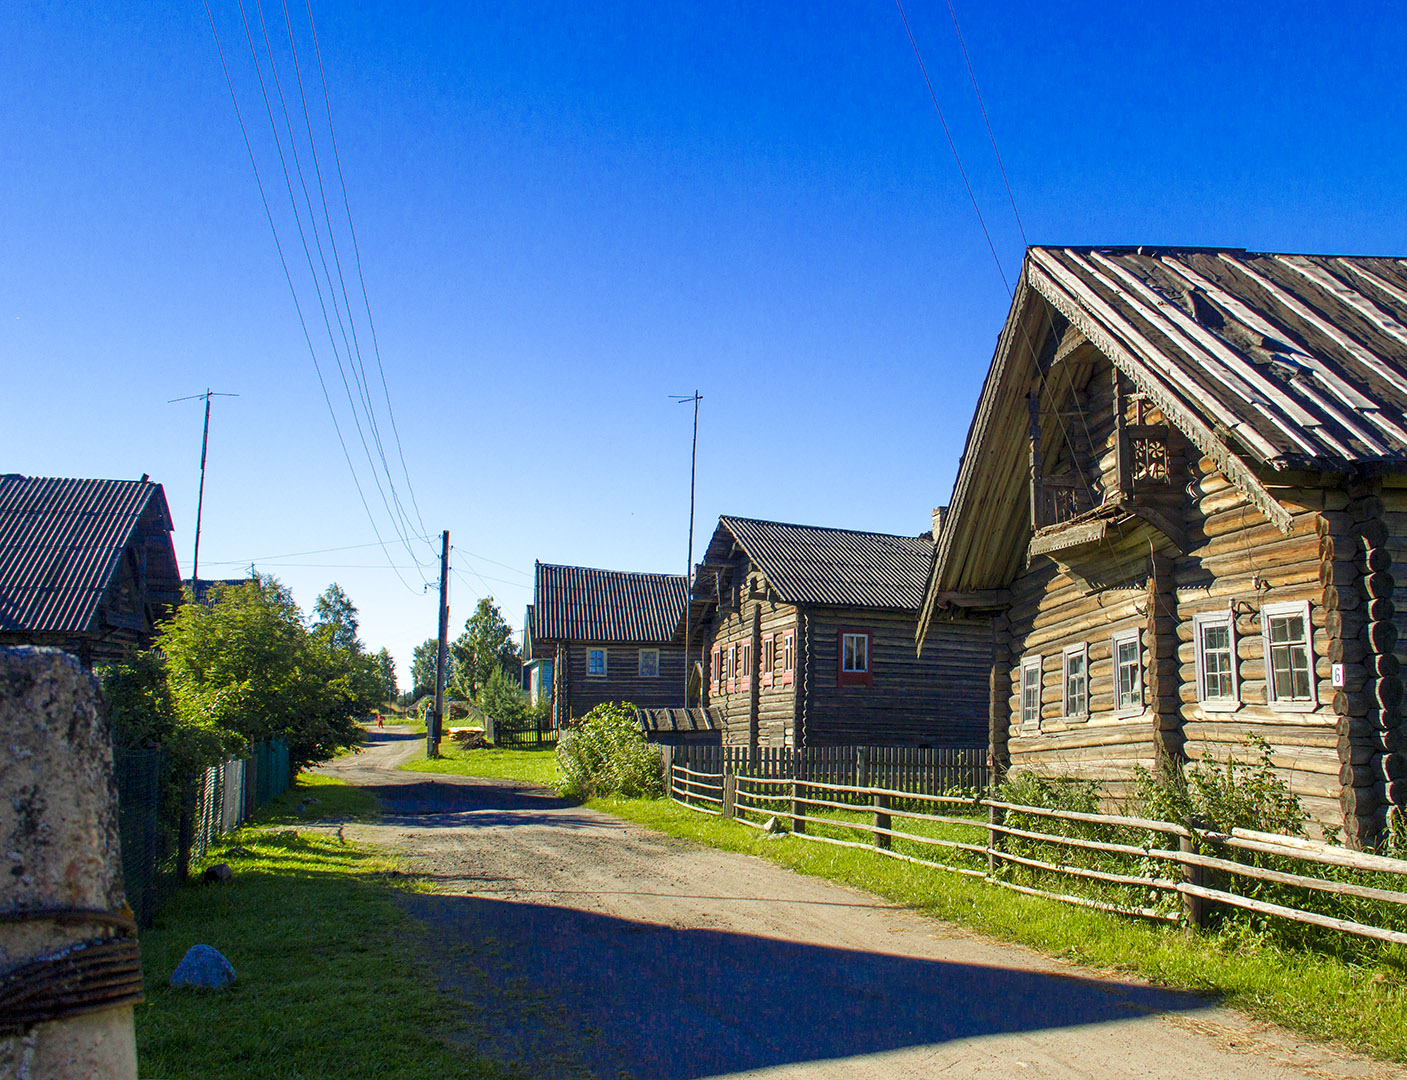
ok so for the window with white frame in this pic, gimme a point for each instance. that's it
(1215, 636)
(1074, 669)
(649, 663)
(596, 663)
(788, 657)
(1031, 692)
(855, 652)
(1127, 651)
(745, 666)
(1289, 654)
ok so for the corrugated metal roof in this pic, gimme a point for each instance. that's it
(1301, 359)
(579, 603)
(60, 543)
(809, 564)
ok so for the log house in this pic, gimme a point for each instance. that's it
(805, 638)
(1183, 499)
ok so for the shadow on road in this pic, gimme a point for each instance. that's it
(618, 997)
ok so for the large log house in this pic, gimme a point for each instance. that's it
(807, 638)
(605, 635)
(1184, 499)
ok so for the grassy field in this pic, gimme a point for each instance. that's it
(534, 766)
(329, 984)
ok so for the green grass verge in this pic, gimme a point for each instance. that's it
(533, 766)
(1363, 1004)
(329, 982)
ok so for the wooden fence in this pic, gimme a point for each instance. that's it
(930, 770)
(1153, 869)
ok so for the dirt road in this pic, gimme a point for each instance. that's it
(586, 947)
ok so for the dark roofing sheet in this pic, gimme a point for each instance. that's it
(807, 564)
(579, 603)
(1302, 358)
(60, 542)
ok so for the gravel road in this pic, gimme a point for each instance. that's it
(583, 946)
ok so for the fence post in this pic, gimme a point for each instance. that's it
(1194, 908)
(730, 792)
(862, 766)
(995, 816)
(881, 820)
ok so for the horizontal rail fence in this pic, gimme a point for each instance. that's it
(1133, 866)
(927, 770)
(166, 823)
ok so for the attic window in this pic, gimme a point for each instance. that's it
(649, 663)
(596, 663)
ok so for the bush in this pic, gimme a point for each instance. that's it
(605, 753)
(1222, 795)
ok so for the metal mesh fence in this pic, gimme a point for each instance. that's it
(167, 822)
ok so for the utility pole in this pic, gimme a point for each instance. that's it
(689, 567)
(436, 725)
(200, 499)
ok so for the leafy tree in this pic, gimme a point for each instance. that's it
(605, 753)
(387, 668)
(422, 666)
(337, 618)
(246, 665)
(486, 644)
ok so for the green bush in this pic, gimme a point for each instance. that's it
(605, 753)
(1222, 796)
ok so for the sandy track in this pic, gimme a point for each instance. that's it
(583, 946)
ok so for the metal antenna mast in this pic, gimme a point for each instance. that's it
(200, 499)
(689, 568)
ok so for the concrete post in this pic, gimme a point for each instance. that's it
(61, 883)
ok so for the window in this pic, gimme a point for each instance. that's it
(1215, 635)
(731, 668)
(1289, 654)
(745, 666)
(1127, 653)
(596, 663)
(788, 657)
(1031, 693)
(769, 658)
(854, 651)
(1074, 668)
(649, 663)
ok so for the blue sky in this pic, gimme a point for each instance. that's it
(567, 213)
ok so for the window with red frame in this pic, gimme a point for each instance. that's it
(769, 658)
(745, 666)
(732, 668)
(788, 657)
(854, 667)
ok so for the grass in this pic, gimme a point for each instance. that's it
(329, 981)
(1358, 1002)
(533, 766)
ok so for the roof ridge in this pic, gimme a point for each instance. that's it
(604, 570)
(822, 528)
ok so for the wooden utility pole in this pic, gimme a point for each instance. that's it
(200, 498)
(689, 567)
(434, 729)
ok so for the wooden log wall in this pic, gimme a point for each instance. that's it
(760, 715)
(622, 681)
(939, 698)
(1237, 559)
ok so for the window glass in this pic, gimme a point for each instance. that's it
(1128, 672)
(649, 663)
(1031, 692)
(1288, 656)
(1214, 648)
(856, 655)
(789, 653)
(1076, 683)
(596, 661)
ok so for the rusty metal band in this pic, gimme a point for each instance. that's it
(81, 978)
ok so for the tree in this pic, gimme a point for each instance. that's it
(337, 618)
(487, 643)
(387, 668)
(422, 667)
(248, 667)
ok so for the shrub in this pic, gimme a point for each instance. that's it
(1210, 794)
(605, 753)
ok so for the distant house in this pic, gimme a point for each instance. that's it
(605, 635)
(807, 636)
(1184, 498)
(85, 565)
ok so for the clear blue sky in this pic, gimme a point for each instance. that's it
(567, 213)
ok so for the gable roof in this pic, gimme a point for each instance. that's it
(809, 564)
(61, 542)
(1266, 362)
(579, 603)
